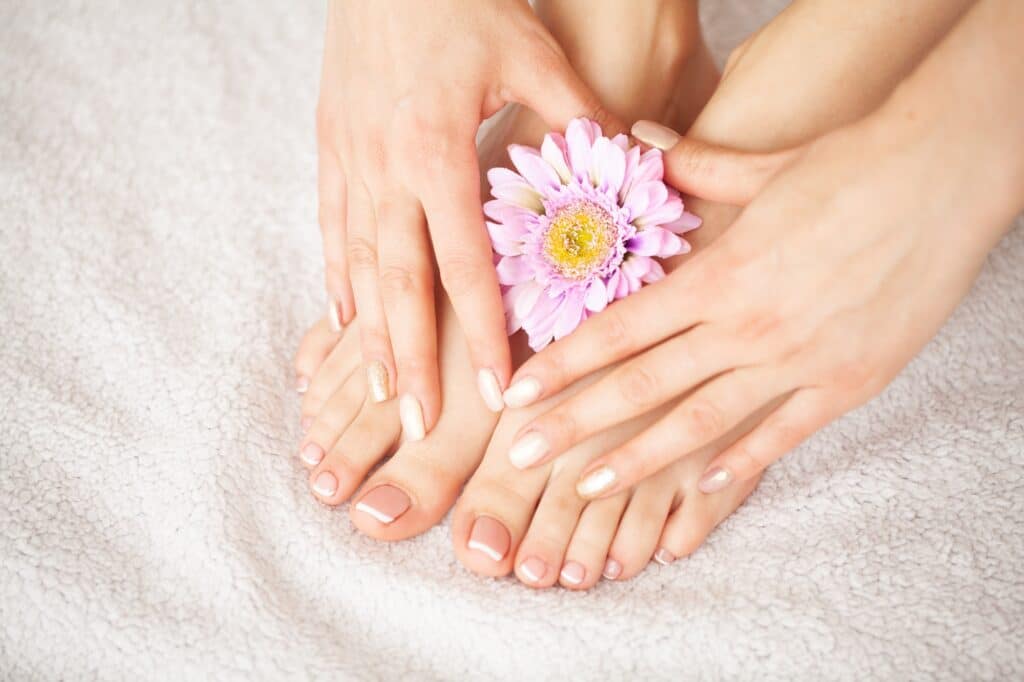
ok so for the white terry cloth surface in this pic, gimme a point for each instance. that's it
(159, 261)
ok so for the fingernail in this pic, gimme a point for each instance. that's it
(335, 315)
(522, 393)
(301, 383)
(490, 389)
(596, 482)
(490, 537)
(655, 134)
(325, 484)
(306, 423)
(573, 572)
(528, 450)
(411, 414)
(612, 569)
(384, 503)
(311, 454)
(664, 557)
(533, 569)
(714, 480)
(377, 380)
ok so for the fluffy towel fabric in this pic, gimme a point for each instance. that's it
(159, 261)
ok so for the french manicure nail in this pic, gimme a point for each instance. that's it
(335, 315)
(325, 484)
(377, 380)
(528, 450)
(490, 389)
(596, 482)
(522, 393)
(306, 423)
(533, 569)
(311, 454)
(612, 569)
(655, 134)
(714, 480)
(573, 572)
(489, 537)
(664, 557)
(411, 415)
(384, 503)
(301, 383)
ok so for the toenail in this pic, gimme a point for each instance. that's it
(311, 454)
(335, 315)
(664, 557)
(490, 389)
(528, 450)
(301, 383)
(377, 381)
(533, 569)
(596, 482)
(384, 503)
(325, 484)
(306, 423)
(411, 414)
(612, 569)
(714, 480)
(573, 572)
(489, 537)
(522, 393)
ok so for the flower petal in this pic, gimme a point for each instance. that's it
(570, 315)
(555, 152)
(534, 168)
(649, 241)
(684, 223)
(597, 296)
(645, 197)
(607, 166)
(579, 138)
(505, 239)
(632, 159)
(667, 212)
(514, 270)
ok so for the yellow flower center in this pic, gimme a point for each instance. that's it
(579, 239)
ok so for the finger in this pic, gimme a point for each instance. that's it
(332, 217)
(711, 172)
(362, 259)
(634, 388)
(314, 347)
(451, 198)
(804, 413)
(706, 414)
(407, 290)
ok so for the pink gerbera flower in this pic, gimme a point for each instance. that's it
(579, 226)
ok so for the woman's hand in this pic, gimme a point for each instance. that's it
(405, 86)
(844, 265)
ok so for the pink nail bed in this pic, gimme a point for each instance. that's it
(384, 503)
(325, 484)
(573, 572)
(301, 383)
(533, 569)
(311, 454)
(664, 557)
(489, 537)
(612, 569)
(306, 423)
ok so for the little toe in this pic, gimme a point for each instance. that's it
(586, 557)
(640, 529)
(313, 349)
(699, 514)
(339, 365)
(332, 420)
(541, 554)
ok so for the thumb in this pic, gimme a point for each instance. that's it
(708, 171)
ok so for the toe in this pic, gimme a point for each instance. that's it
(699, 514)
(587, 555)
(542, 552)
(637, 537)
(332, 420)
(314, 347)
(332, 373)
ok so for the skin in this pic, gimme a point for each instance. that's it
(792, 308)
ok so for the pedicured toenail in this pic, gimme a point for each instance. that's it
(311, 454)
(306, 423)
(384, 503)
(664, 557)
(528, 450)
(714, 480)
(596, 482)
(612, 569)
(301, 383)
(522, 393)
(490, 390)
(411, 415)
(573, 572)
(533, 569)
(490, 537)
(325, 484)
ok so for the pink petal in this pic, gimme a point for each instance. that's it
(613, 283)
(570, 316)
(597, 296)
(505, 239)
(607, 165)
(529, 292)
(514, 270)
(655, 274)
(623, 289)
(636, 266)
(579, 138)
(622, 142)
(666, 212)
(647, 242)
(632, 159)
(644, 197)
(521, 195)
(532, 166)
(555, 152)
(684, 223)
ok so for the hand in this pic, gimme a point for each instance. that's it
(845, 264)
(405, 86)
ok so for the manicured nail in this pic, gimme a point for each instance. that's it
(655, 134)
(306, 423)
(311, 454)
(714, 480)
(528, 450)
(335, 315)
(490, 390)
(325, 484)
(533, 569)
(301, 383)
(522, 393)
(411, 414)
(489, 537)
(377, 380)
(384, 503)
(612, 569)
(596, 482)
(573, 572)
(664, 557)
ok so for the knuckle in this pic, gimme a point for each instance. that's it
(705, 420)
(637, 386)
(615, 332)
(562, 425)
(361, 254)
(398, 280)
(461, 275)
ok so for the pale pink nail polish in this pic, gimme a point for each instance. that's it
(306, 423)
(490, 537)
(573, 572)
(311, 454)
(714, 480)
(335, 315)
(533, 569)
(325, 484)
(301, 384)
(384, 503)
(664, 557)
(655, 134)
(612, 569)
